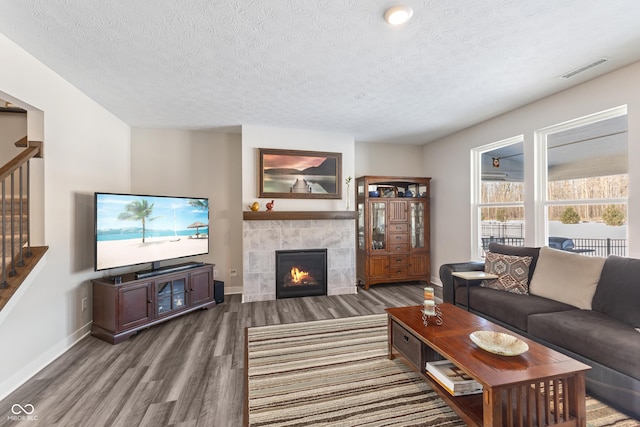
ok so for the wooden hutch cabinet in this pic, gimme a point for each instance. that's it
(392, 230)
(120, 310)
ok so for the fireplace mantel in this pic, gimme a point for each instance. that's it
(297, 215)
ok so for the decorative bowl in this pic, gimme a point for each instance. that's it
(374, 194)
(499, 343)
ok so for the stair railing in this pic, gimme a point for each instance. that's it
(7, 173)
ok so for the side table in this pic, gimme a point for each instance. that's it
(468, 276)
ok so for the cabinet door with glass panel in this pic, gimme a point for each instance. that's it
(378, 224)
(171, 295)
(418, 229)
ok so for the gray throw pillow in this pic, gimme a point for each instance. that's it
(618, 291)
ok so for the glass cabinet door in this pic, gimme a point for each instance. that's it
(417, 225)
(171, 295)
(378, 224)
(361, 237)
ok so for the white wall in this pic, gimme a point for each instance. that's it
(448, 159)
(197, 164)
(86, 148)
(14, 128)
(254, 137)
(388, 160)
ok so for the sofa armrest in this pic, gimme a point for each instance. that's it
(448, 284)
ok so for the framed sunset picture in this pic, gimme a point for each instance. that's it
(295, 174)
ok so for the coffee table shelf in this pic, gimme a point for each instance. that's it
(523, 383)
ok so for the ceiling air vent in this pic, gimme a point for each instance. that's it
(585, 68)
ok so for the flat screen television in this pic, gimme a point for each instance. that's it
(132, 229)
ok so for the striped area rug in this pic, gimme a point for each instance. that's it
(336, 373)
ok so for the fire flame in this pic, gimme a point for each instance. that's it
(297, 275)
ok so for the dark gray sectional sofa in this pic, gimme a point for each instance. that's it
(603, 336)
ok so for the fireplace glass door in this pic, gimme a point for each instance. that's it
(301, 273)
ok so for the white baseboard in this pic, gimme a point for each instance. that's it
(231, 290)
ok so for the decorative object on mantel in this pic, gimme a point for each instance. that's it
(269, 205)
(255, 206)
(295, 174)
(348, 182)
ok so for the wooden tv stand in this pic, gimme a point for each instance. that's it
(120, 310)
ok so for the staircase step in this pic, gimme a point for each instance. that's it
(17, 244)
(16, 222)
(16, 206)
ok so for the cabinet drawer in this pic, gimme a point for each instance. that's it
(397, 260)
(398, 247)
(398, 271)
(398, 238)
(407, 344)
(399, 228)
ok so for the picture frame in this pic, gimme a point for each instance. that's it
(297, 174)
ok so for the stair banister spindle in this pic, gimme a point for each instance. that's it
(20, 262)
(28, 253)
(12, 217)
(4, 283)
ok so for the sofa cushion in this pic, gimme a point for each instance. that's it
(512, 272)
(618, 291)
(566, 277)
(593, 335)
(512, 309)
(499, 248)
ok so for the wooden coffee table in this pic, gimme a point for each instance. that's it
(540, 387)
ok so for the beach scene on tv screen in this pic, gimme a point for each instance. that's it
(133, 229)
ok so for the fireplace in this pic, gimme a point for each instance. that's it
(301, 273)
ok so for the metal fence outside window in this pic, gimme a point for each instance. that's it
(602, 247)
(583, 246)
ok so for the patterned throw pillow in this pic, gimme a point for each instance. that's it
(512, 272)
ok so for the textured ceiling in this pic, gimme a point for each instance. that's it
(318, 64)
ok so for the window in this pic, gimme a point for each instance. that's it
(498, 194)
(582, 200)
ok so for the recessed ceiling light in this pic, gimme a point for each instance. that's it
(398, 15)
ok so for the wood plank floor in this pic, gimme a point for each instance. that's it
(186, 372)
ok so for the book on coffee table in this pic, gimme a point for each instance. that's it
(452, 378)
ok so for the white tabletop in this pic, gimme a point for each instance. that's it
(474, 275)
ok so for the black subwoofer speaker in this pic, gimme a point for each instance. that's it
(218, 291)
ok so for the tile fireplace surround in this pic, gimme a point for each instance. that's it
(262, 236)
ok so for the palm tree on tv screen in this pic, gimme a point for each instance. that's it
(201, 204)
(138, 210)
